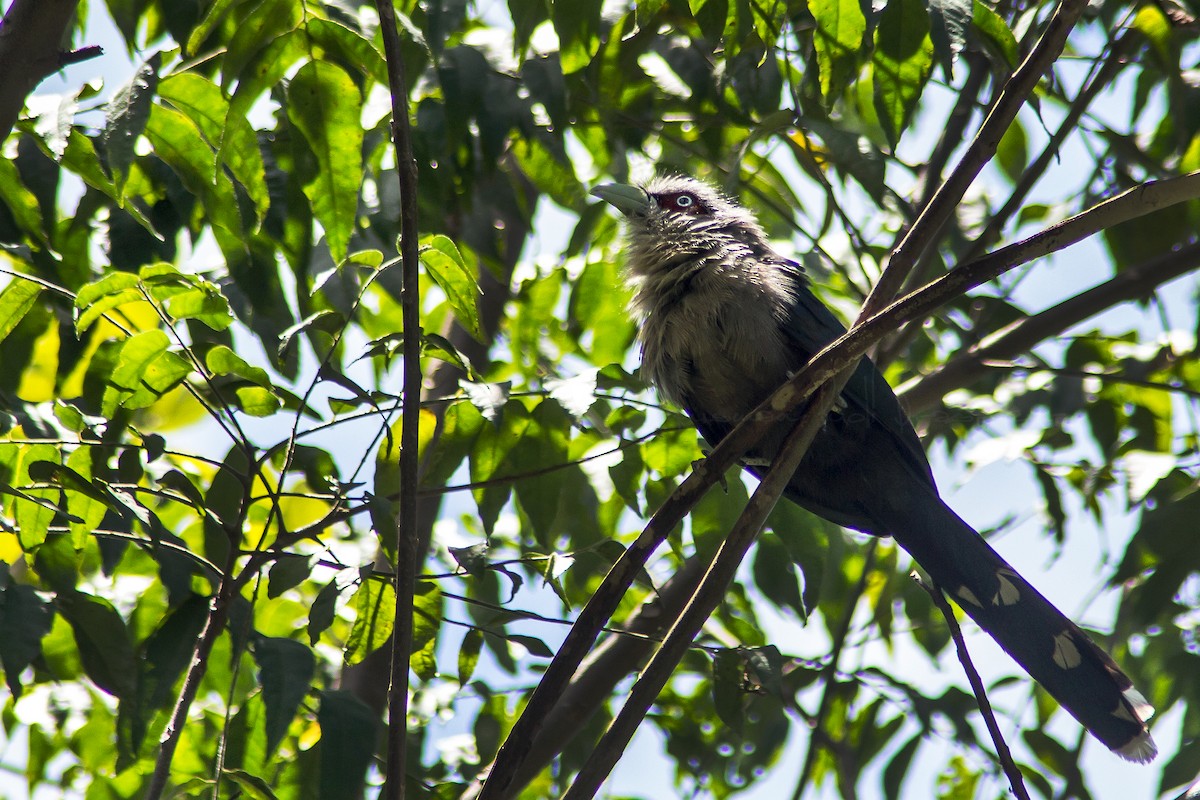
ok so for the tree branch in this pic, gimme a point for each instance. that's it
(709, 594)
(30, 35)
(945, 201)
(985, 706)
(406, 517)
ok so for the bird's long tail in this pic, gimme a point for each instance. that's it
(1055, 651)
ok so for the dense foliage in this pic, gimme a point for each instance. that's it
(200, 329)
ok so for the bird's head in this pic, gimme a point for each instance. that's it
(675, 221)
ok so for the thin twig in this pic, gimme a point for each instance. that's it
(985, 706)
(830, 671)
(406, 517)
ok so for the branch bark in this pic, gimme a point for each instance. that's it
(30, 38)
(406, 517)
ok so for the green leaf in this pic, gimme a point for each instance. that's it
(1012, 155)
(321, 613)
(375, 615)
(349, 731)
(269, 67)
(221, 360)
(230, 135)
(902, 62)
(178, 141)
(949, 22)
(24, 619)
(387, 474)
(427, 620)
(577, 23)
(168, 651)
(145, 371)
(711, 16)
(268, 20)
(103, 640)
(326, 106)
(543, 441)
(16, 299)
(128, 113)
(86, 501)
(34, 509)
(1151, 22)
(447, 266)
(551, 171)
(534, 645)
(285, 669)
(468, 655)
(288, 571)
(252, 786)
(80, 157)
(727, 688)
(94, 299)
(217, 13)
(21, 203)
(996, 31)
(897, 768)
(350, 45)
(838, 39)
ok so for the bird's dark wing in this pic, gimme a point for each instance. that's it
(811, 328)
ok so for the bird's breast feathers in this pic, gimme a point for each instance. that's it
(720, 344)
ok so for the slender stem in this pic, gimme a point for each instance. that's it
(985, 706)
(213, 627)
(831, 668)
(406, 518)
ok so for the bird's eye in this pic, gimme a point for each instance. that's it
(684, 201)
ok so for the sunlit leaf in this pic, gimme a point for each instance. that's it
(375, 616)
(325, 106)
(448, 267)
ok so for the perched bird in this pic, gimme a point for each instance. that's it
(725, 321)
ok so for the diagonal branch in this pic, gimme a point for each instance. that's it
(842, 353)
(709, 594)
(944, 202)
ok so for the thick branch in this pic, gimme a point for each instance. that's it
(30, 36)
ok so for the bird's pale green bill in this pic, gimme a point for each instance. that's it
(624, 197)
